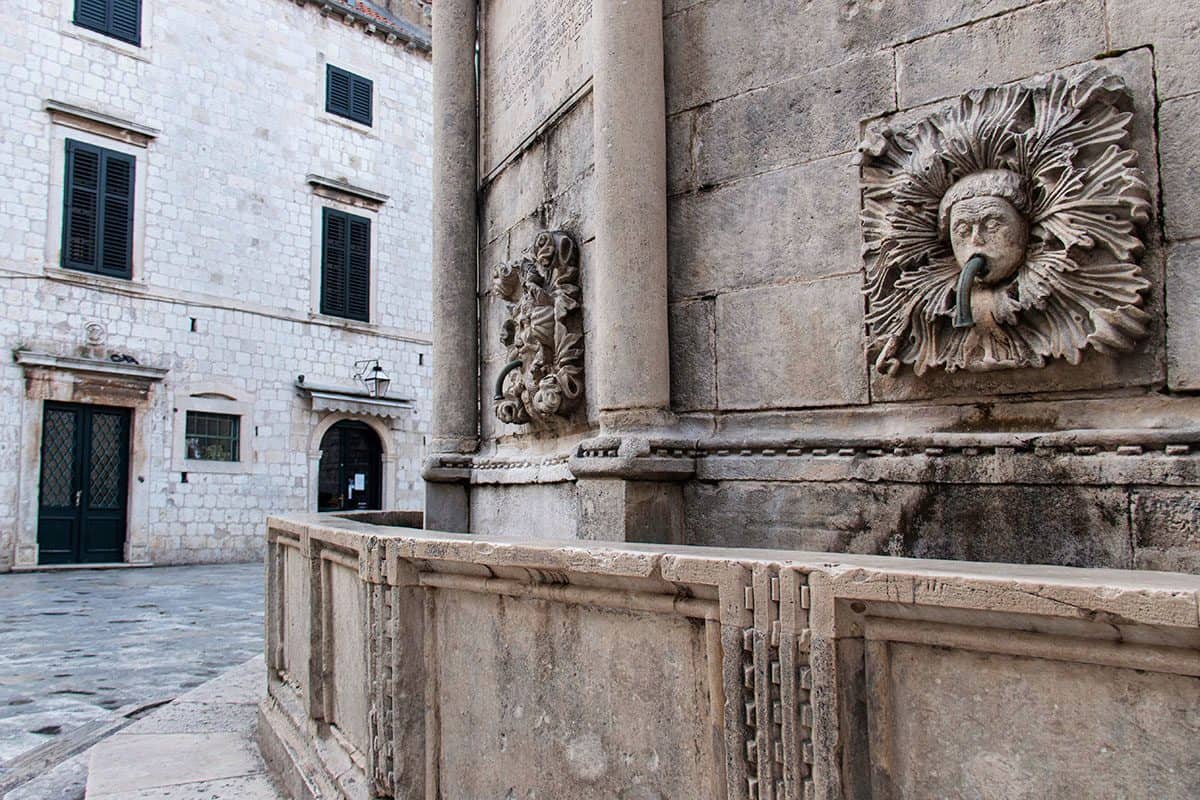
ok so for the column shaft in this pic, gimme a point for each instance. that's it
(455, 247)
(629, 273)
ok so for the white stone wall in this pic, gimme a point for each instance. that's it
(236, 91)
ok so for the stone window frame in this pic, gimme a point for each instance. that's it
(350, 201)
(140, 52)
(214, 397)
(110, 136)
(361, 68)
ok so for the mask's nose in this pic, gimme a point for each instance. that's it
(977, 237)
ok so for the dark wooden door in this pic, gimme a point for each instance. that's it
(84, 486)
(350, 477)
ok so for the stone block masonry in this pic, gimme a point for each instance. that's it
(494, 666)
(224, 293)
(780, 427)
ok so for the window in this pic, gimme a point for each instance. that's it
(98, 210)
(347, 95)
(120, 19)
(213, 437)
(345, 265)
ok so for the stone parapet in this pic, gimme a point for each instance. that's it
(410, 663)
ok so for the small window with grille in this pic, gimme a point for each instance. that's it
(213, 437)
(348, 95)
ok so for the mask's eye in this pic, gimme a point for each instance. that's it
(992, 225)
(962, 229)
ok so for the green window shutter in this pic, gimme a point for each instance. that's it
(81, 208)
(358, 294)
(337, 91)
(92, 14)
(125, 22)
(120, 19)
(116, 214)
(345, 265)
(360, 99)
(333, 262)
(348, 95)
(98, 210)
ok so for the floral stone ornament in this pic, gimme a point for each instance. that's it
(543, 332)
(1004, 231)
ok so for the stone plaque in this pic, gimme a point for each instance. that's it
(535, 55)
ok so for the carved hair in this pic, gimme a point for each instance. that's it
(1001, 183)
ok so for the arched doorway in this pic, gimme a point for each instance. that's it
(350, 473)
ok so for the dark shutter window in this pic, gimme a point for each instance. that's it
(120, 19)
(98, 211)
(348, 95)
(345, 265)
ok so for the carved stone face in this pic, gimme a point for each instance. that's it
(990, 227)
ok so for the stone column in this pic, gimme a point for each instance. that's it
(629, 273)
(455, 421)
(625, 492)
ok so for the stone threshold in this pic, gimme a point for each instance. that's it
(76, 567)
(200, 745)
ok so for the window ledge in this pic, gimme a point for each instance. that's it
(137, 52)
(354, 325)
(100, 123)
(200, 466)
(345, 191)
(330, 118)
(82, 278)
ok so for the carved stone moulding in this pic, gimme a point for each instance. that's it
(543, 332)
(1004, 231)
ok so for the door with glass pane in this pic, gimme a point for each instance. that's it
(84, 484)
(351, 465)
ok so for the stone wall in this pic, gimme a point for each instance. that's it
(781, 431)
(224, 293)
(404, 663)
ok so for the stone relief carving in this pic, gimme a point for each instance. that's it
(1003, 231)
(543, 332)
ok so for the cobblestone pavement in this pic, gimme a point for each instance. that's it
(76, 645)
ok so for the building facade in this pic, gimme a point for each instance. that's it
(215, 217)
(766, 339)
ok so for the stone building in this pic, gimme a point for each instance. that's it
(750, 336)
(213, 213)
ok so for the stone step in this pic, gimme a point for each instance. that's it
(200, 745)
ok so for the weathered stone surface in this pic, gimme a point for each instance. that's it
(1183, 315)
(1181, 166)
(535, 55)
(1166, 527)
(722, 48)
(1173, 28)
(518, 680)
(546, 511)
(792, 345)
(1026, 525)
(826, 517)
(681, 172)
(791, 122)
(641, 671)
(1009, 713)
(797, 222)
(1025, 42)
(693, 355)
(1067, 525)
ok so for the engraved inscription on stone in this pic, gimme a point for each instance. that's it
(536, 54)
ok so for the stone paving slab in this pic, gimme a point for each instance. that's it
(76, 645)
(199, 746)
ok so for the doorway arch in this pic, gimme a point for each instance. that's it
(350, 468)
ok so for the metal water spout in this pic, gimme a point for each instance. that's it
(976, 266)
(509, 367)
